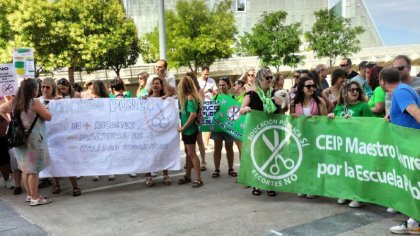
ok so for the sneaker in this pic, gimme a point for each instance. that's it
(391, 210)
(406, 228)
(111, 177)
(28, 199)
(8, 184)
(301, 195)
(310, 196)
(342, 201)
(40, 201)
(356, 204)
(133, 175)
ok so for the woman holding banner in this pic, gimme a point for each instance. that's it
(189, 99)
(33, 156)
(158, 90)
(351, 104)
(307, 103)
(50, 91)
(225, 86)
(262, 100)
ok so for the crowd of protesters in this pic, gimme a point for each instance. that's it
(389, 93)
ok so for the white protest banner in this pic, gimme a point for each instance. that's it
(112, 136)
(23, 59)
(8, 83)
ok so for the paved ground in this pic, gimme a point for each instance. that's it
(221, 207)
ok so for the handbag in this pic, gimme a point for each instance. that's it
(16, 134)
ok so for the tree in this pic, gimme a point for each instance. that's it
(273, 42)
(92, 34)
(196, 35)
(332, 36)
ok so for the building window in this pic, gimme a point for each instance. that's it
(240, 5)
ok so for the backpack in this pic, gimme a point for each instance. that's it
(16, 134)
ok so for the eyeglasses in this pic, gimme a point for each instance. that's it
(400, 68)
(352, 90)
(268, 78)
(45, 87)
(252, 75)
(344, 65)
(310, 86)
(296, 76)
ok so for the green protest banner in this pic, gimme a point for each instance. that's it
(228, 118)
(208, 111)
(364, 159)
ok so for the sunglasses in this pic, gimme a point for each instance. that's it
(252, 75)
(310, 86)
(344, 65)
(62, 82)
(352, 90)
(46, 87)
(296, 76)
(268, 78)
(400, 68)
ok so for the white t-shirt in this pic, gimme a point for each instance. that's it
(168, 77)
(205, 85)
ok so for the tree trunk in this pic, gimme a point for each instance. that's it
(71, 74)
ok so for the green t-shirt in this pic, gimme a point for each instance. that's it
(240, 97)
(356, 110)
(142, 93)
(378, 96)
(190, 106)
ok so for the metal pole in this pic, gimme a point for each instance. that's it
(162, 31)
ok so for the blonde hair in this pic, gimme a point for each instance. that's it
(51, 82)
(344, 97)
(186, 87)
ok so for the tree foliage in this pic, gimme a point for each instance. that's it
(196, 35)
(333, 36)
(92, 34)
(273, 41)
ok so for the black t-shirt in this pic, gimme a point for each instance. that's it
(352, 74)
(255, 102)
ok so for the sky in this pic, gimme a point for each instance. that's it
(398, 21)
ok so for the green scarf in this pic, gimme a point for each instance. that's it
(268, 104)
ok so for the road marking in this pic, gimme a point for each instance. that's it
(339, 223)
(275, 232)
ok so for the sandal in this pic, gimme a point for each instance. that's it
(167, 180)
(271, 193)
(40, 201)
(197, 184)
(203, 166)
(184, 180)
(76, 192)
(56, 189)
(256, 192)
(232, 173)
(149, 181)
(216, 174)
